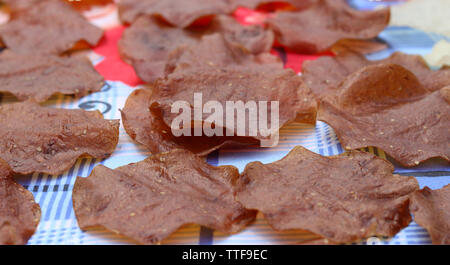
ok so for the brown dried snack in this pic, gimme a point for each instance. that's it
(147, 43)
(19, 214)
(15, 5)
(254, 38)
(431, 210)
(48, 27)
(325, 74)
(149, 200)
(41, 139)
(385, 106)
(214, 51)
(237, 84)
(38, 77)
(318, 27)
(148, 129)
(178, 13)
(343, 198)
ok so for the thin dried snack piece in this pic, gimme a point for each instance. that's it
(149, 200)
(15, 5)
(431, 210)
(48, 27)
(263, 83)
(214, 51)
(342, 198)
(325, 74)
(254, 39)
(385, 106)
(148, 129)
(180, 14)
(148, 42)
(38, 77)
(47, 140)
(19, 214)
(318, 27)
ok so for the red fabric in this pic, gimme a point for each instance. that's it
(112, 67)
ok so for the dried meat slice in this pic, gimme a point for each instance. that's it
(149, 130)
(214, 51)
(239, 84)
(178, 13)
(38, 77)
(19, 214)
(48, 27)
(41, 139)
(342, 198)
(149, 200)
(253, 38)
(15, 5)
(148, 42)
(317, 28)
(385, 106)
(431, 210)
(325, 74)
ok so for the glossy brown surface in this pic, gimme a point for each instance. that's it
(19, 214)
(38, 77)
(325, 74)
(149, 200)
(48, 27)
(240, 83)
(431, 210)
(386, 106)
(48, 140)
(178, 13)
(318, 27)
(149, 130)
(342, 198)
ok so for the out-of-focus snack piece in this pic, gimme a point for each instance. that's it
(147, 43)
(148, 129)
(38, 77)
(426, 15)
(254, 38)
(48, 140)
(342, 198)
(386, 106)
(317, 28)
(48, 27)
(440, 55)
(19, 214)
(325, 74)
(214, 51)
(360, 46)
(178, 13)
(15, 5)
(149, 200)
(431, 210)
(247, 85)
